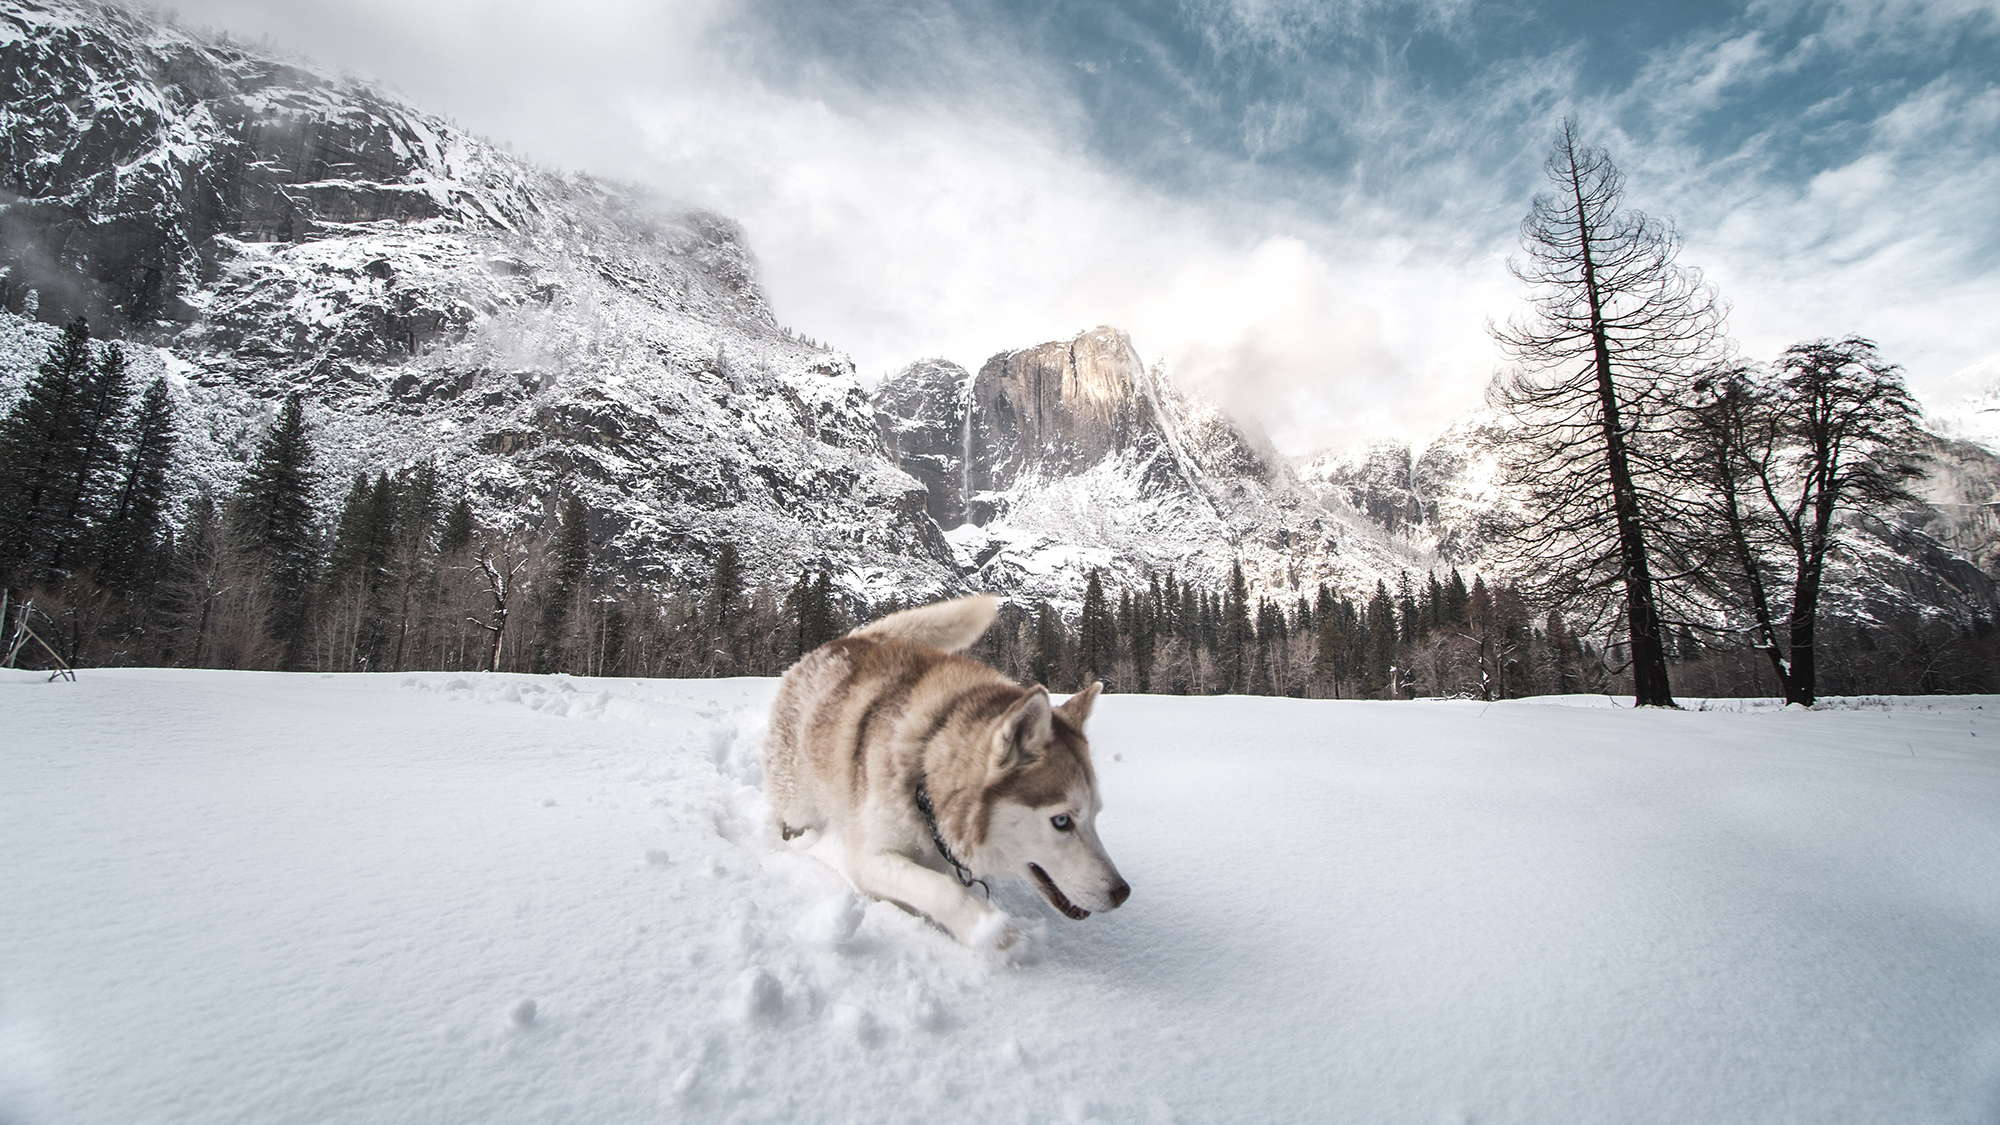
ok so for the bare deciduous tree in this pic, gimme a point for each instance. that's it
(1831, 428)
(501, 563)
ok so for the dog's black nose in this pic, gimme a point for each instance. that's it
(1120, 893)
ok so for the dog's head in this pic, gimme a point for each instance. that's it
(1040, 805)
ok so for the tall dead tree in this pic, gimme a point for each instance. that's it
(1612, 321)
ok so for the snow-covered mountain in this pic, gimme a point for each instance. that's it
(1074, 455)
(257, 227)
(252, 227)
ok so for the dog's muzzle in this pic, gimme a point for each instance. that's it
(1061, 901)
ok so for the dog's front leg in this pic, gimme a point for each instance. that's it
(937, 896)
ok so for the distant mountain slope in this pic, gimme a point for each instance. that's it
(271, 227)
(1938, 557)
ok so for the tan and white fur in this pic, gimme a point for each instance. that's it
(862, 722)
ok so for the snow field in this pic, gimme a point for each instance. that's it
(255, 897)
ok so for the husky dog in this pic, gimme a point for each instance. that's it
(935, 771)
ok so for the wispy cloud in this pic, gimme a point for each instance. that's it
(1303, 206)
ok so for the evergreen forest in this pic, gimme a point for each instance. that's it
(402, 577)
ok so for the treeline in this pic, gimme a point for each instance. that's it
(1430, 637)
(403, 577)
(400, 577)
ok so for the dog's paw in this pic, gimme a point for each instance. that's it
(1009, 937)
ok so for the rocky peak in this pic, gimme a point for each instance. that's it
(1073, 455)
(921, 412)
(1058, 407)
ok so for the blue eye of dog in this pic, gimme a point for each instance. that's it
(1062, 822)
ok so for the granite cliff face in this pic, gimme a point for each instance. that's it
(1073, 455)
(254, 227)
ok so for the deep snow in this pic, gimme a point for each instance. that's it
(263, 898)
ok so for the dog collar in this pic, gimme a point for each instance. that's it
(961, 871)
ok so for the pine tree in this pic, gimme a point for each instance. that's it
(1190, 617)
(275, 520)
(195, 579)
(1269, 623)
(458, 528)
(42, 445)
(572, 552)
(1341, 638)
(1097, 639)
(1145, 633)
(798, 607)
(1406, 609)
(1455, 597)
(1563, 655)
(1479, 617)
(1237, 635)
(568, 572)
(130, 544)
(1048, 657)
(1381, 642)
(725, 610)
(412, 564)
(816, 617)
(347, 561)
(381, 541)
(725, 589)
(96, 457)
(343, 602)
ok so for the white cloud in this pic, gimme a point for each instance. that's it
(1324, 353)
(948, 202)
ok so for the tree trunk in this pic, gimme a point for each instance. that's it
(1760, 601)
(1649, 656)
(493, 653)
(1800, 679)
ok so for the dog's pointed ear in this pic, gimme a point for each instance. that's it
(1077, 707)
(1023, 731)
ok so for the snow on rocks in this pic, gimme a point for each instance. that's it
(241, 897)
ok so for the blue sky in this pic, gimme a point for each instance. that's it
(1304, 208)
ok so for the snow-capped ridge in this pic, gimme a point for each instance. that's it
(273, 227)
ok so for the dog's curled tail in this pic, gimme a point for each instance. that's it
(952, 626)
